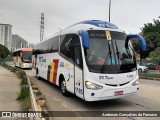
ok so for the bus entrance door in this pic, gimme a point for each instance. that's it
(78, 71)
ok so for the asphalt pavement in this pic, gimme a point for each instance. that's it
(146, 99)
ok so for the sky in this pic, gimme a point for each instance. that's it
(24, 15)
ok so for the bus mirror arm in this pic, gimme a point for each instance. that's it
(85, 39)
(21, 54)
(140, 38)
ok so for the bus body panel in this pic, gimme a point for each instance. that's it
(50, 72)
(79, 82)
(109, 90)
(74, 80)
(112, 79)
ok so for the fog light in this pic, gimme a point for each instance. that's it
(92, 94)
(135, 83)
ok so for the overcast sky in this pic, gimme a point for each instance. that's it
(24, 15)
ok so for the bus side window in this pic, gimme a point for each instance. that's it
(77, 51)
(67, 48)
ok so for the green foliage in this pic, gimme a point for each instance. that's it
(24, 80)
(4, 52)
(155, 55)
(8, 58)
(27, 102)
(151, 33)
(13, 69)
(23, 94)
(147, 75)
(20, 74)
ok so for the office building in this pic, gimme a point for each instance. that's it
(6, 35)
(18, 42)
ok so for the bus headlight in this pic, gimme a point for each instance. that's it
(93, 86)
(135, 83)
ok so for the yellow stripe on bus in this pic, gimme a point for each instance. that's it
(51, 71)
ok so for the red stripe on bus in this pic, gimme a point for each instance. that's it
(55, 61)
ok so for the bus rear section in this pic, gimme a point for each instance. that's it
(23, 57)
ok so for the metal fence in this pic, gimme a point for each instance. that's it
(150, 74)
(6, 59)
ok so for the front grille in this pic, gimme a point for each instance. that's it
(115, 85)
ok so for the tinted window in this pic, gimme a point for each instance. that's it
(66, 47)
(77, 51)
(71, 48)
(48, 46)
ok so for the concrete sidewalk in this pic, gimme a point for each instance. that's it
(9, 89)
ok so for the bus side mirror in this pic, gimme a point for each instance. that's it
(140, 38)
(85, 39)
(21, 54)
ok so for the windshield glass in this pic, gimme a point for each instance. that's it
(107, 53)
(27, 56)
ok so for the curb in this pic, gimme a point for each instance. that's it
(37, 104)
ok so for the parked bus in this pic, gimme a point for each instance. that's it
(92, 59)
(23, 57)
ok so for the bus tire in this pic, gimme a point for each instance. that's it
(140, 70)
(37, 74)
(63, 88)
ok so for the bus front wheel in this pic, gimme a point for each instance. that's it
(63, 88)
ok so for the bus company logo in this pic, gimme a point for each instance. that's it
(41, 59)
(130, 76)
(101, 25)
(61, 64)
(105, 78)
(79, 90)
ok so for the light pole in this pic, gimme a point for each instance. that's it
(59, 36)
(109, 10)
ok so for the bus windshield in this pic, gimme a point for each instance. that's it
(107, 53)
(27, 56)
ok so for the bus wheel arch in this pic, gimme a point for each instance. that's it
(62, 85)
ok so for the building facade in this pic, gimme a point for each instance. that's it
(6, 35)
(18, 42)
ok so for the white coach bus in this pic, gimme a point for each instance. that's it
(92, 59)
(22, 57)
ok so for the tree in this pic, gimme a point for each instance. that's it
(4, 52)
(151, 33)
(155, 55)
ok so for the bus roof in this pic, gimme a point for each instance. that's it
(86, 25)
(98, 23)
(24, 49)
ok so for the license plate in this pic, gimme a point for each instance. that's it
(118, 93)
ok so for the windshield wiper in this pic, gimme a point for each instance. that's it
(117, 52)
(110, 54)
(118, 56)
